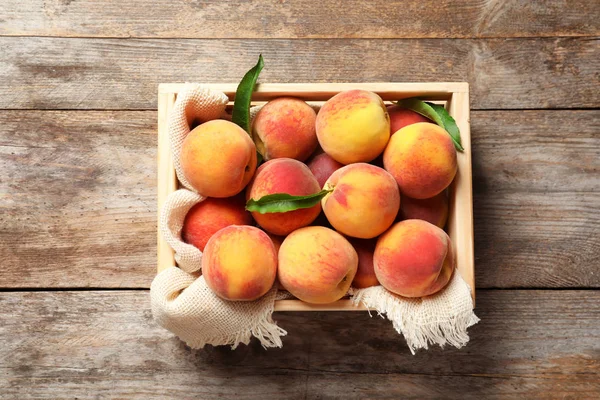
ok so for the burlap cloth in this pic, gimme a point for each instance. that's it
(183, 303)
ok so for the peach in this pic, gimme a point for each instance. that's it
(422, 159)
(284, 175)
(365, 275)
(364, 201)
(285, 128)
(322, 166)
(239, 263)
(207, 217)
(317, 264)
(353, 126)
(218, 158)
(401, 117)
(414, 258)
(433, 210)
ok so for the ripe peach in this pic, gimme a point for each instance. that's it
(317, 264)
(365, 275)
(433, 210)
(364, 201)
(422, 159)
(284, 175)
(285, 128)
(414, 258)
(239, 263)
(401, 117)
(218, 158)
(207, 217)
(353, 126)
(322, 166)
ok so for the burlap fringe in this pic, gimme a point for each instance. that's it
(428, 320)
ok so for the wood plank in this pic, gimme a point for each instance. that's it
(538, 239)
(165, 168)
(318, 93)
(537, 194)
(91, 345)
(460, 194)
(544, 151)
(124, 73)
(78, 198)
(295, 19)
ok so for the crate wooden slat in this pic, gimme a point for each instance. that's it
(454, 94)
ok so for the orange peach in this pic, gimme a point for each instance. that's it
(322, 166)
(401, 117)
(422, 159)
(365, 275)
(364, 201)
(433, 210)
(284, 175)
(218, 158)
(414, 258)
(207, 217)
(239, 263)
(353, 126)
(285, 128)
(317, 264)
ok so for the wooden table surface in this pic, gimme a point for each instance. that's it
(78, 89)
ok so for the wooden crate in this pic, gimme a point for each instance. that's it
(454, 95)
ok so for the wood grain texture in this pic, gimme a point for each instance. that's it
(91, 345)
(541, 151)
(299, 19)
(124, 73)
(166, 177)
(549, 239)
(78, 198)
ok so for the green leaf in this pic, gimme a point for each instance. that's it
(449, 124)
(437, 114)
(243, 96)
(419, 106)
(283, 202)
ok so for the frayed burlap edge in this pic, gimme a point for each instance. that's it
(442, 318)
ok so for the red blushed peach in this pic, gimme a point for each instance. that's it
(207, 217)
(239, 263)
(322, 166)
(218, 158)
(364, 201)
(365, 275)
(401, 117)
(422, 159)
(317, 264)
(414, 258)
(353, 126)
(285, 128)
(433, 210)
(284, 175)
